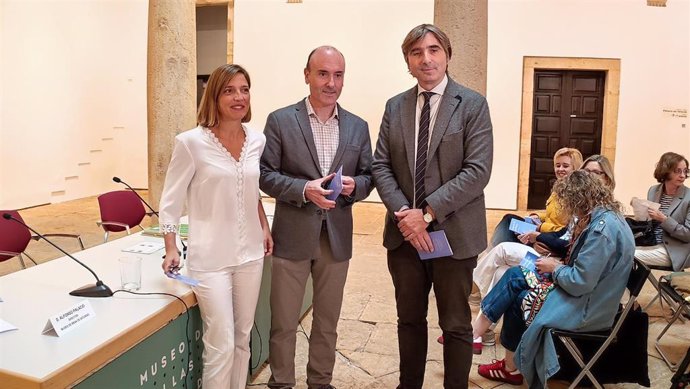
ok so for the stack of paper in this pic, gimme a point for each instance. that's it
(520, 227)
(145, 248)
(640, 207)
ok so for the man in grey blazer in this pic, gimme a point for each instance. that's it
(305, 144)
(431, 164)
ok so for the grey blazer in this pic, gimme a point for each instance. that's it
(458, 166)
(676, 227)
(290, 160)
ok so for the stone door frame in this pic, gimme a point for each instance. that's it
(610, 118)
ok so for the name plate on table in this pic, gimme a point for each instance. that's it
(69, 319)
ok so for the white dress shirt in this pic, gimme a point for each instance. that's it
(326, 136)
(434, 103)
(222, 197)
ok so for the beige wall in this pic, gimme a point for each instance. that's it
(211, 37)
(72, 80)
(273, 39)
(74, 98)
(652, 44)
(2, 93)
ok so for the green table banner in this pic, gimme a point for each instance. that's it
(158, 362)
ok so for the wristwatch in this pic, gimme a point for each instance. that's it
(428, 218)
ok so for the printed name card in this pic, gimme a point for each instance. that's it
(69, 319)
(5, 326)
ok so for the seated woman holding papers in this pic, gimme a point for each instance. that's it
(672, 219)
(565, 161)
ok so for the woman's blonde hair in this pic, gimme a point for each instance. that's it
(574, 154)
(208, 115)
(605, 167)
(580, 192)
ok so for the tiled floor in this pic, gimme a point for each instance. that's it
(367, 344)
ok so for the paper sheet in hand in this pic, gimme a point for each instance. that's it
(145, 247)
(5, 326)
(528, 262)
(182, 278)
(336, 184)
(520, 227)
(441, 246)
(640, 207)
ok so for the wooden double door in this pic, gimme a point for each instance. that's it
(567, 112)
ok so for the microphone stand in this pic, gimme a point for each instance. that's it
(99, 289)
(119, 181)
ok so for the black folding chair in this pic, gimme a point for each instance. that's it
(637, 278)
(682, 307)
(655, 283)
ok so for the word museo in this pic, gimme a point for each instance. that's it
(166, 362)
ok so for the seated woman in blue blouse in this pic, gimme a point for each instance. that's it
(582, 293)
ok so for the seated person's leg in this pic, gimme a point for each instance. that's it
(502, 233)
(509, 290)
(509, 255)
(653, 255)
(513, 328)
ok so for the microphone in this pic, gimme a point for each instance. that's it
(92, 290)
(119, 181)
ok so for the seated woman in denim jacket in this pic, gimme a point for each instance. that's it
(582, 294)
(495, 262)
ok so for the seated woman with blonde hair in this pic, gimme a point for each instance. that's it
(565, 161)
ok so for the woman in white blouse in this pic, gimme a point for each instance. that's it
(215, 169)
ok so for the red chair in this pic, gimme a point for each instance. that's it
(14, 238)
(120, 211)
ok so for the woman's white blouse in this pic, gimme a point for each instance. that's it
(222, 197)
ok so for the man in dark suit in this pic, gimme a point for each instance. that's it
(305, 144)
(431, 164)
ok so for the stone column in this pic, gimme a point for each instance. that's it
(465, 22)
(171, 87)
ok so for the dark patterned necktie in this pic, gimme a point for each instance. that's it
(422, 149)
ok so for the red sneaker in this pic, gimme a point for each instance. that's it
(496, 371)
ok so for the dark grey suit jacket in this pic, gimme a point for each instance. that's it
(458, 166)
(290, 160)
(677, 226)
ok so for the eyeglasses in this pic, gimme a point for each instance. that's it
(597, 172)
(682, 171)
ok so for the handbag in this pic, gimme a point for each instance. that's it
(643, 231)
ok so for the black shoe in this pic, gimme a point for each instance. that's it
(329, 386)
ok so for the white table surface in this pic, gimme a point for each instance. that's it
(33, 295)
